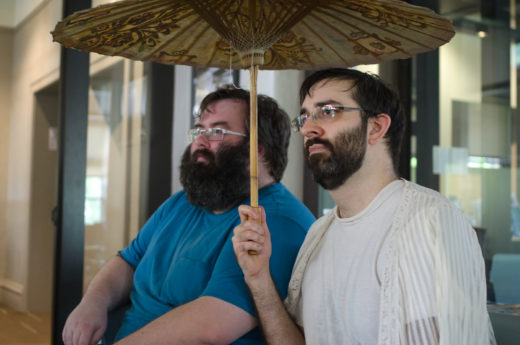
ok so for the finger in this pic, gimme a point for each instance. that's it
(247, 212)
(249, 235)
(98, 335)
(248, 225)
(265, 229)
(85, 339)
(66, 336)
(245, 247)
(241, 246)
(75, 337)
(262, 214)
(260, 220)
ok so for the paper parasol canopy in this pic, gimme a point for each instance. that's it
(256, 34)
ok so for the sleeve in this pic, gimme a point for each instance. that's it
(460, 272)
(137, 248)
(227, 281)
(442, 279)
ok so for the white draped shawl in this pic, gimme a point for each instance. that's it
(429, 241)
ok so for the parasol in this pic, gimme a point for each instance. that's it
(256, 34)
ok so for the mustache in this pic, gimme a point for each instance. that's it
(203, 153)
(323, 142)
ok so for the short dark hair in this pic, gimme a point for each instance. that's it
(373, 96)
(274, 126)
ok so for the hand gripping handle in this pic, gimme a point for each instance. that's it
(259, 221)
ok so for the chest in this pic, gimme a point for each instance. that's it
(181, 256)
(341, 286)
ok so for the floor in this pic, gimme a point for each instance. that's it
(18, 328)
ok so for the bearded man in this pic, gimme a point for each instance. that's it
(180, 272)
(393, 263)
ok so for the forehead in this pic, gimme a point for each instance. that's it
(227, 111)
(324, 91)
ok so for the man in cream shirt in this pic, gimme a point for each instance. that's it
(393, 262)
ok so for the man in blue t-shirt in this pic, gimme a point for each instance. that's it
(180, 272)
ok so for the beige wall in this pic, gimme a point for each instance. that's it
(35, 64)
(284, 86)
(6, 42)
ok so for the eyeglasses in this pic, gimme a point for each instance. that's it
(324, 113)
(212, 134)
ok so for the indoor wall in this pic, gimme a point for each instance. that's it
(6, 42)
(284, 87)
(34, 66)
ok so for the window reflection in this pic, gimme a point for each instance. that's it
(477, 156)
(117, 146)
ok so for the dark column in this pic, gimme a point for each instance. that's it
(399, 75)
(426, 128)
(161, 129)
(68, 214)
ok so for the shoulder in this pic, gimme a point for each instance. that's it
(418, 198)
(281, 205)
(175, 203)
(424, 194)
(424, 207)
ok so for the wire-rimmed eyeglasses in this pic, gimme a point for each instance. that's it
(212, 134)
(321, 113)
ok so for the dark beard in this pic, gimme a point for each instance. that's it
(221, 182)
(344, 159)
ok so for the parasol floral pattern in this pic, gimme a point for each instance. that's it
(291, 34)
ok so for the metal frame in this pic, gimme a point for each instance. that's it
(68, 215)
(161, 129)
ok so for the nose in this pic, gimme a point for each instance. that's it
(311, 129)
(201, 142)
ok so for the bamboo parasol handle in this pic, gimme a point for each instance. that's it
(253, 142)
(253, 137)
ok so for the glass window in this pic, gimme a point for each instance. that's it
(117, 141)
(206, 80)
(477, 156)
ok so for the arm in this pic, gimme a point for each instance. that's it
(442, 279)
(206, 320)
(276, 323)
(87, 322)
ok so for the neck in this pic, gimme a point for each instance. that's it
(362, 187)
(264, 182)
(264, 176)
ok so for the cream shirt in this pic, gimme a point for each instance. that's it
(429, 239)
(353, 245)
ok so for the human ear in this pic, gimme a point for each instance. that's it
(377, 127)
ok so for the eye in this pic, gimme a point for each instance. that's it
(328, 110)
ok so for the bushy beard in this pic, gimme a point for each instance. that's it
(219, 183)
(344, 158)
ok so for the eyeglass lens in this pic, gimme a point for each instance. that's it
(324, 113)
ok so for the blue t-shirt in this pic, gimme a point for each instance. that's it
(184, 252)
